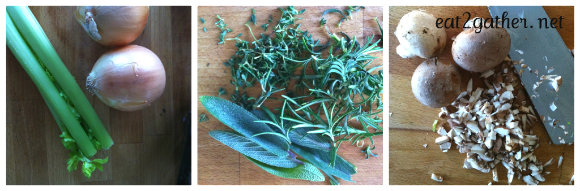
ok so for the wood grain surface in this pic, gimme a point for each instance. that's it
(217, 163)
(410, 122)
(148, 143)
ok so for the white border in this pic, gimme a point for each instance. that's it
(194, 20)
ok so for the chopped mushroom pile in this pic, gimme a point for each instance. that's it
(493, 127)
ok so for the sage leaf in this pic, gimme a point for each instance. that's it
(250, 149)
(244, 123)
(321, 159)
(304, 172)
(299, 136)
(264, 116)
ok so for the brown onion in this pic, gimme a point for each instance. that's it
(127, 78)
(113, 26)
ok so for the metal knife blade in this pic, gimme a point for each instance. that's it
(543, 49)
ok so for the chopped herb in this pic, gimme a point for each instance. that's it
(222, 91)
(253, 17)
(220, 23)
(320, 92)
(222, 26)
(222, 37)
(204, 29)
(322, 21)
(203, 118)
(202, 20)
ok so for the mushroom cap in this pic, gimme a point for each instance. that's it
(436, 84)
(418, 36)
(479, 52)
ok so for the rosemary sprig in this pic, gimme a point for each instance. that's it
(346, 14)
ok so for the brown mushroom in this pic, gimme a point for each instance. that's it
(436, 84)
(480, 52)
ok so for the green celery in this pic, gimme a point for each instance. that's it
(41, 46)
(50, 93)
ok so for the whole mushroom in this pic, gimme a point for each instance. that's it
(418, 35)
(479, 52)
(436, 84)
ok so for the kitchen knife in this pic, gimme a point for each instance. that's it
(543, 53)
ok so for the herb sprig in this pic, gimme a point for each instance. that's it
(346, 14)
(223, 27)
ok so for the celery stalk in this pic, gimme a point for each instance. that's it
(50, 93)
(41, 46)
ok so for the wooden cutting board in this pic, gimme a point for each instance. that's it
(410, 122)
(217, 163)
(148, 143)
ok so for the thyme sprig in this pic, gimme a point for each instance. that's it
(223, 27)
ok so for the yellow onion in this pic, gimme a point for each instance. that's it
(127, 78)
(113, 26)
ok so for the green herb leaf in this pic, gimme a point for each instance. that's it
(265, 26)
(100, 162)
(222, 36)
(323, 21)
(305, 172)
(321, 159)
(297, 136)
(88, 168)
(379, 23)
(203, 118)
(301, 137)
(68, 141)
(73, 162)
(202, 20)
(222, 26)
(348, 11)
(222, 91)
(249, 148)
(253, 17)
(244, 123)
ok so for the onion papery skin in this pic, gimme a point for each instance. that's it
(128, 78)
(113, 25)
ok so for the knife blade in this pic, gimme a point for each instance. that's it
(544, 53)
